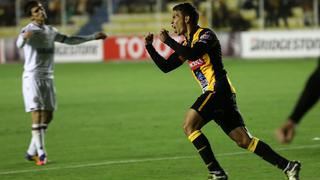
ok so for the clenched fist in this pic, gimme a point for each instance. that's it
(148, 39)
(164, 34)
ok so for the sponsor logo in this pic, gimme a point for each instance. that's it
(206, 36)
(196, 64)
(285, 44)
(202, 79)
(84, 49)
(88, 51)
(133, 48)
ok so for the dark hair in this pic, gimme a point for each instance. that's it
(188, 10)
(29, 6)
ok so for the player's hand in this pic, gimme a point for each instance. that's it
(27, 35)
(164, 35)
(148, 39)
(100, 35)
(286, 132)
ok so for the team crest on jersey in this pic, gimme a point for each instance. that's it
(196, 64)
(207, 36)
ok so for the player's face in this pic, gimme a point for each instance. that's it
(178, 23)
(38, 13)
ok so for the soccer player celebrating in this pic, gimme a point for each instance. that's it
(201, 49)
(37, 40)
(308, 98)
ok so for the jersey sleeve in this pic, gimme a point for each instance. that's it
(165, 65)
(190, 53)
(72, 40)
(20, 40)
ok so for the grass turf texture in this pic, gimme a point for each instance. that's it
(121, 121)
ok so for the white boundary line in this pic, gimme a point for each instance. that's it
(129, 161)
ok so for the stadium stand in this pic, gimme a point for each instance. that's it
(138, 24)
(139, 17)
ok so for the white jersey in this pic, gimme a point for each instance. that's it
(39, 49)
(38, 85)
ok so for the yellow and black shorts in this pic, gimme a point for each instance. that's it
(221, 108)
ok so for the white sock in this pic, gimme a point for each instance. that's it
(43, 131)
(32, 150)
(36, 136)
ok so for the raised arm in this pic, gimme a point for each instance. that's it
(79, 39)
(190, 53)
(165, 65)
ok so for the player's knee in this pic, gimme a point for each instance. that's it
(243, 142)
(188, 128)
(50, 117)
(47, 117)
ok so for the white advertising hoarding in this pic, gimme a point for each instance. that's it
(280, 44)
(86, 52)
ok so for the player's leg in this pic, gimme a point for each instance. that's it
(36, 132)
(38, 94)
(233, 125)
(32, 154)
(253, 144)
(192, 128)
(37, 151)
(49, 105)
(36, 148)
(41, 119)
(244, 140)
(31, 102)
(46, 118)
(308, 98)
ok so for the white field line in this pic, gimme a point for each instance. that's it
(130, 161)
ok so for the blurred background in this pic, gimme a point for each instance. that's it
(122, 120)
(231, 19)
(142, 16)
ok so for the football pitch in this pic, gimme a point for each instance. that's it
(123, 121)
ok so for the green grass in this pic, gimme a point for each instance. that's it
(120, 121)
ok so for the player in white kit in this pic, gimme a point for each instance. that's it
(37, 40)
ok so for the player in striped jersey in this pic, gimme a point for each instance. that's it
(202, 51)
(37, 40)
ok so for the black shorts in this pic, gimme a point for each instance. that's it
(221, 108)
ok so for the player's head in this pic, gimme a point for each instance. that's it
(184, 14)
(35, 11)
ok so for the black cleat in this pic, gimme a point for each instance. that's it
(29, 157)
(217, 175)
(293, 169)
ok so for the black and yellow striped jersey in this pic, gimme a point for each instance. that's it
(202, 51)
(208, 67)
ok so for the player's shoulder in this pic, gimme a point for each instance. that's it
(51, 28)
(29, 27)
(207, 34)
